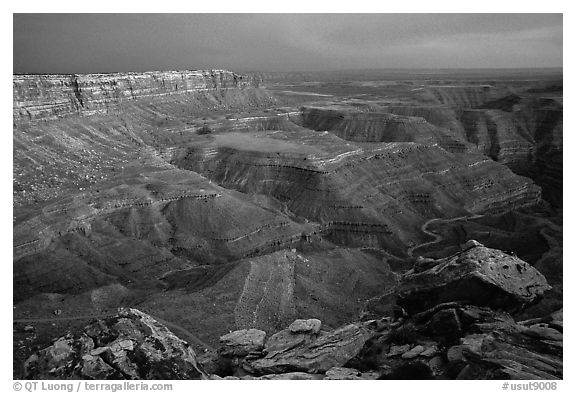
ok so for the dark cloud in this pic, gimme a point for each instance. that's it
(83, 43)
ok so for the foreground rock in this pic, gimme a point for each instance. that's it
(242, 342)
(511, 351)
(299, 352)
(467, 331)
(310, 354)
(130, 345)
(487, 345)
(305, 326)
(447, 319)
(453, 319)
(479, 275)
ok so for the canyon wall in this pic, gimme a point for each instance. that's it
(375, 195)
(523, 133)
(53, 96)
(381, 127)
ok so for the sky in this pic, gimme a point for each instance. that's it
(85, 43)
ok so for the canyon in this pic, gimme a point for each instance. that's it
(208, 202)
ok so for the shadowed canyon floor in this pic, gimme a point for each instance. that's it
(215, 202)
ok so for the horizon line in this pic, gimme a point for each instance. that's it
(557, 68)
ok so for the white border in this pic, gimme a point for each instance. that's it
(296, 6)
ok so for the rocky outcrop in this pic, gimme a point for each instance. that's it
(381, 127)
(451, 340)
(439, 115)
(448, 341)
(473, 343)
(478, 275)
(52, 96)
(305, 326)
(289, 351)
(130, 345)
(435, 330)
(459, 329)
(241, 342)
(510, 351)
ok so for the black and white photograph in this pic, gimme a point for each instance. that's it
(286, 196)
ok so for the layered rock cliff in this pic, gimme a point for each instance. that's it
(363, 194)
(73, 131)
(381, 127)
(524, 134)
(53, 96)
(163, 221)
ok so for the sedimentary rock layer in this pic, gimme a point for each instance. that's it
(527, 137)
(381, 127)
(52, 96)
(139, 228)
(362, 194)
(60, 156)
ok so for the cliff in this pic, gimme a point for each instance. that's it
(382, 127)
(375, 195)
(523, 134)
(53, 96)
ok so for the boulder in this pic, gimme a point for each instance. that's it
(437, 366)
(430, 351)
(129, 345)
(417, 350)
(315, 354)
(471, 244)
(305, 326)
(396, 350)
(479, 276)
(241, 342)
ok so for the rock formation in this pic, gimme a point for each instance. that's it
(54, 96)
(130, 345)
(478, 275)
(455, 339)
(527, 137)
(375, 195)
(381, 127)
